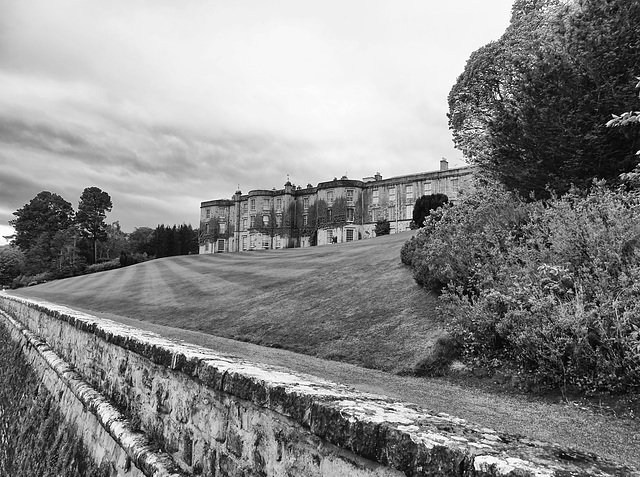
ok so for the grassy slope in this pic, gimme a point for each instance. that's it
(353, 302)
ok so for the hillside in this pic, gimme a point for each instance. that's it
(352, 302)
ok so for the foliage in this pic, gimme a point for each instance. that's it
(424, 205)
(27, 280)
(36, 224)
(383, 227)
(529, 107)
(140, 240)
(104, 266)
(92, 211)
(11, 263)
(169, 241)
(272, 227)
(115, 243)
(549, 288)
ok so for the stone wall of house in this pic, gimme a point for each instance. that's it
(144, 405)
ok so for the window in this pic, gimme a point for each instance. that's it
(329, 236)
(409, 212)
(305, 220)
(329, 215)
(278, 204)
(454, 186)
(244, 242)
(427, 188)
(392, 195)
(373, 215)
(305, 203)
(244, 208)
(253, 221)
(206, 246)
(244, 224)
(392, 213)
(208, 212)
(253, 205)
(349, 235)
(206, 228)
(265, 241)
(350, 196)
(279, 220)
(221, 245)
(330, 197)
(266, 204)
(350, 215)
(278, 243)
(265, 220)
(375, 195)
(409, 192)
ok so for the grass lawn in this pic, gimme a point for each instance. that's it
(353, 302)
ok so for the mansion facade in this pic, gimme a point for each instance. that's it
(341, 210)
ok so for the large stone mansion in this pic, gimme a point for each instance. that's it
(341, 210)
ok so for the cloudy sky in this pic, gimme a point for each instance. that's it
(165, 104)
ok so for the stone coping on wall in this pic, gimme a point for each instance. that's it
(393, 433)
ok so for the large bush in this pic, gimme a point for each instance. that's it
(551, 289)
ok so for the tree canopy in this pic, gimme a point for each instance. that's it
(46, 213)
(425, 204)
(92, 211)
(531, 108)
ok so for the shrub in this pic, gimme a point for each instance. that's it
(551, 288)
(104, 266)
(465, 245)
(445, 350)
(28, 280)
(383, 227)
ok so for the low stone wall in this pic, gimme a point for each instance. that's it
(176, 409)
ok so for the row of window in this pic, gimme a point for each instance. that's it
(350, 194)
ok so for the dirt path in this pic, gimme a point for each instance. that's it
(606, 436)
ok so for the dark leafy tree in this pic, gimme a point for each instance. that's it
(140, 240)
(530, 108)
(65, 248)
(168, 241)
(92, 211)
(36, 224)
(46, 213)
(115, 243)
(425, 204)
(383, 227)
(11, 264)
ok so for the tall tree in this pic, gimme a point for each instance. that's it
(530, 108)
(92, 211)
(36, 224)
(46, 213)
(140, 240)
(115, 243)
(11, 264)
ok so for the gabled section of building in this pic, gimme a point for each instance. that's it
(341, 210)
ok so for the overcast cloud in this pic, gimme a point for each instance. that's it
(165, 104)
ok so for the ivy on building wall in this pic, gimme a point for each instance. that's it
(210, 230)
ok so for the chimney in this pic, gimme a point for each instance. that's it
(444, 165)
(378, 176)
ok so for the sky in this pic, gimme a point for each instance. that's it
(166, 104)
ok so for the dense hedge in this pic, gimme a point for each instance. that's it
(551, 288)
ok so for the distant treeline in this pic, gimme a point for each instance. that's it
(52, 240)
